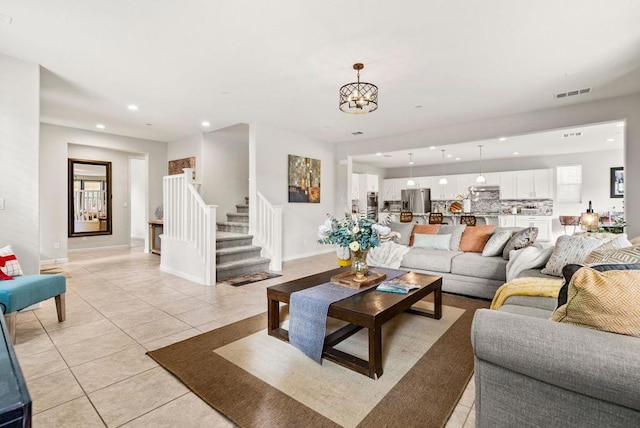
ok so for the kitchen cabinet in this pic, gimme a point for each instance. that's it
(508, 185)
(425, 183)
(507, 220)
(534, 184)
(543, 223)
(355, 187)
(441, 192)
(463, 182)
(369, 183)
(491, 179)
(392, 189)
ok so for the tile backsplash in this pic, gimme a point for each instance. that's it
(501, 206)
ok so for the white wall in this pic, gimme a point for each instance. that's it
(225, 179)
(54, 141)
(189, 146)
(301, 220)
(19, 130)
(612, 109)
(137, 198)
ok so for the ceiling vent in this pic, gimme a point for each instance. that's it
(573, 93)
(571, 134)
(357, 133)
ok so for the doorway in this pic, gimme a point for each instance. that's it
(137, 193)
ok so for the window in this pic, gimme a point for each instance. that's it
(569, 184)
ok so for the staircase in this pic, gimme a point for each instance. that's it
(235, 254)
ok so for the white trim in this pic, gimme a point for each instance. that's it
(310, 254)
(180, 274)
(54, 261)
(110, 247)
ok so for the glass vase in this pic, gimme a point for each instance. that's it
(359, 264)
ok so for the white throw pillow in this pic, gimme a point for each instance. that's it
(431, 242)
(496, 243)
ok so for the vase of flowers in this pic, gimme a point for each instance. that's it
(356, 233)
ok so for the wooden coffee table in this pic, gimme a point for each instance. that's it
(369, 309)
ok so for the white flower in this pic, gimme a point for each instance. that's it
(354, 246)
(382, 230)
(356, 229)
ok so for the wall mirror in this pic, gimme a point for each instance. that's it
(89, 197)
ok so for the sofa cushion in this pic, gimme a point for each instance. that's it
(456, 234)
(569, 270)
(404, 229)
(520, 240)
(570, 249)
(432, 260)
(607, 301)
(25, 290)
(431, 242)
(474, 238)
(424, 229)
(496, 243)
(473, 264)
(613, 255)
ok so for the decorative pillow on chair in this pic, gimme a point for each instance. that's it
(9, 266)
(570, 249)
(613, 255)
(424, 229)
(474, 238)
(607, 301)
(496, 243)
(522, 239)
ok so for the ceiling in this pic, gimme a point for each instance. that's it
(281, 62)
(591, 138)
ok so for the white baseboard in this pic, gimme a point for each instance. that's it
(183, 275)
(111, 247)
(54, 261)
(310, 254)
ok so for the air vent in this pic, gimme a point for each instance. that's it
(357, 133)
(573, 93)
(572, 134)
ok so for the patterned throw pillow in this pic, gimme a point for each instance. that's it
(496, 243)
(522, 239)
(9, 266)
(570, 249)
(613, 255)
(607, 301)
(569, 270)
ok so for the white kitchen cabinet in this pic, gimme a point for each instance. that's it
(463, 182)
(491, 179)
(355, 186)
(543, 223)
(443, 192)
(389, 189)
(508, 185)
(369, 183)
(425, 183)
(507, 220)
(534, 184)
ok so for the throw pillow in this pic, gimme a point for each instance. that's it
(431, 241)
(619, 241)
(613, 255)
(521, 239)
(571, 269)
(425, 229)
(496, 243)
(456, 234)
(404, 229)
(9, 265)
(594, 301)
(570, 249)
(474, 238)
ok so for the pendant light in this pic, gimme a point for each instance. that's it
(480, 178)
(443, 180)
(358, 97)
(410, 182)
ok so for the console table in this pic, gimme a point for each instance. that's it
(155, 230)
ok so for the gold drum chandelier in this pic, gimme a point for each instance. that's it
(359, 97)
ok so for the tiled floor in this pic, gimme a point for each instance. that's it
(91, 370)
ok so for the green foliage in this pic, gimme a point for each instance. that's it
(348, 230)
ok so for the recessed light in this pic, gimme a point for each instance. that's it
(132, 107)
(458, 158)
(205, 124)
(502, 139)
(611, 140)
(449, 156)
(378, 154)
(516, 153)
(432, 147)
(620, 124)
(100, 126)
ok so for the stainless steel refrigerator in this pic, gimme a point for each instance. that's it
(416, 200)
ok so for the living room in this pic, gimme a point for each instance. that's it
(493, 75)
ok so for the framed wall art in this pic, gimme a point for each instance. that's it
(617, 182)
(304, 179)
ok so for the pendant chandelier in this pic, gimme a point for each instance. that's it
(410, 182)
(443, 180)
(359, 97)
(480, 178)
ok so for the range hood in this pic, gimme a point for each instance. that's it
(483, 188)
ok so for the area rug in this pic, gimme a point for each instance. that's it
(259, 381)
(249, 278)
(54, 271)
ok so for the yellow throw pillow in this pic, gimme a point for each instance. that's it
(607, 301)
(614, 255)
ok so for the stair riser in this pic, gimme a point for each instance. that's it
(225, 258)
(242, 270)
(242, 209)
(233, 228)
(229, 243)
(238, 218)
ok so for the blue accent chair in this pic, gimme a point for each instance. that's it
(26, 290)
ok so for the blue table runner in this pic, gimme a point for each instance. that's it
(308, 313)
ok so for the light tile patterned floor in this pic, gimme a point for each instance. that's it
(92, 369)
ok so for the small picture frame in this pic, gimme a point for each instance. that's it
(617, 182)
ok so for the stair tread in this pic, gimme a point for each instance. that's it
(231, 223)
(230, 236)
(242, 205)
(240, 263)
(239, 214)
(241, 249)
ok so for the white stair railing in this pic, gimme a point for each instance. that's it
(268, 230)
(187, 219)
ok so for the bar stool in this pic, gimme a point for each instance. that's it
(569, 220)
(469, 220)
